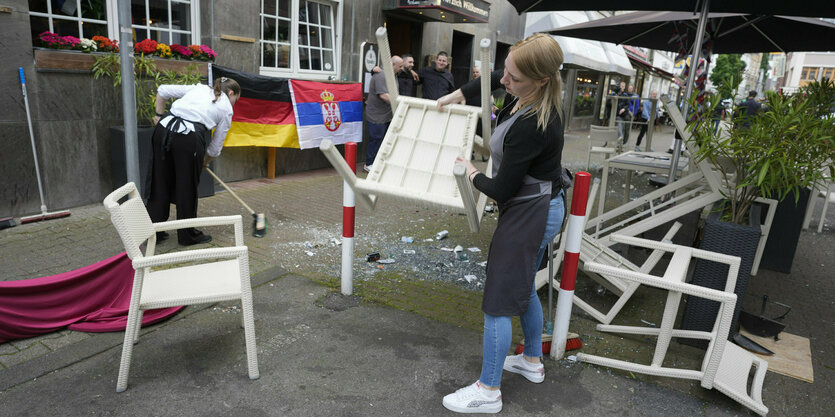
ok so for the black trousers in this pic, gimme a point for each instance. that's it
(174, 178)
(642, 133)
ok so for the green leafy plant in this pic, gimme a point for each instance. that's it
(147, 78)
(787, 147)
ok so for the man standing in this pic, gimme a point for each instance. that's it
(378, 112)
(437, 81)
(646, 108)
(748, 109)
(624, 117)
(406, 77)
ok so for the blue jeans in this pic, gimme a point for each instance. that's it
(376, 133)
(497, 329)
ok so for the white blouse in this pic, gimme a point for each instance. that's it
(194, 103)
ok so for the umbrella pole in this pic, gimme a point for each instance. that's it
(691, 77)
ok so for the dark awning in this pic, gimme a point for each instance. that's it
(450, 11)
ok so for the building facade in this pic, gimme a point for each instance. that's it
(72, 112)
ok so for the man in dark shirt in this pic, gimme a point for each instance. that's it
(748, 109)
(437, 81)
(406, 77)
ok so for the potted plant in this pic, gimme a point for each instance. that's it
(782, 151)
(147, 79)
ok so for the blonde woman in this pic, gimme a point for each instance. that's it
(526, 148)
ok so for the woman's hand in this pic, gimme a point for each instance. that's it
(471, 170)
(207, 159)
(455, 97)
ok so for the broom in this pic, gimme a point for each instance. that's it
(259, 221)
(45, 215)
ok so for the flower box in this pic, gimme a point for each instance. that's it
(68, 60)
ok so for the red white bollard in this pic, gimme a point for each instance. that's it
(574, 237)
(348, 215)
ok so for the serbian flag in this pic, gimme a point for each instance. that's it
(263, 116)
(327, 111)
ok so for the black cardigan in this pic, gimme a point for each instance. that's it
(527, 149)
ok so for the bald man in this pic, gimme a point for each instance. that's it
(378, 112)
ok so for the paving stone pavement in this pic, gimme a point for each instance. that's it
(304, 216)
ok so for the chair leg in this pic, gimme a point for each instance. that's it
(825, 207)
(249, 334)
(138, 326)
(127, 350)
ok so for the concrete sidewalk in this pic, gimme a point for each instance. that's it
(409, 336)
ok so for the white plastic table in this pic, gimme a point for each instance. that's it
(656, 162)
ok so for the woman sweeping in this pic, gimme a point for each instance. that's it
(183, 144)
(526, 148)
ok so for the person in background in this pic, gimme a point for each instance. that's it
(526, 148)
(378, 113)
(183, 144)
(407, 77)
(748, 109)
(436, 78)
(624, 117)
(645, 109)
(476, 72)
(718, 114)
(633, 106)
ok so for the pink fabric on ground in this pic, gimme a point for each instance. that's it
(94, 298)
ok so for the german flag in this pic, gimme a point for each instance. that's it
(264, 113)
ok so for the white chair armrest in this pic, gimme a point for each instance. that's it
(189, 256)
(235, 221)
(645, 279)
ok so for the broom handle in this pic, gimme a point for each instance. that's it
(251, 211)
(32, 137)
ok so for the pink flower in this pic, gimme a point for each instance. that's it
(208, 51)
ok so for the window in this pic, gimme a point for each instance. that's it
(828, 73)
(808, 75)
(82, 19)
(298, 37)
(166, 21)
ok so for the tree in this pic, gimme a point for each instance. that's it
(728, 65)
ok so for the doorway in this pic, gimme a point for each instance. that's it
(462, 57)
(404, 36)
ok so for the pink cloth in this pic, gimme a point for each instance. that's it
(90, 299)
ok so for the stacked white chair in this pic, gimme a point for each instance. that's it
(190, 277)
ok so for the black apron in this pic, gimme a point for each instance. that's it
(511, 261)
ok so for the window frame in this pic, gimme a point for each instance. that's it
(295, 70)
(112, 19)
(51, 16)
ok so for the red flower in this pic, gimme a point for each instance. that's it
(147, 46)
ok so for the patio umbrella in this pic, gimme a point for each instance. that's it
(729, 32)
(766, 7)
(700, 7)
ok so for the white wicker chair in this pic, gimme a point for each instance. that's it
(602, 139)
(222, 274)
(725, 367)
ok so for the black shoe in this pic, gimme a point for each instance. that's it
(162, 236)
(195, 240)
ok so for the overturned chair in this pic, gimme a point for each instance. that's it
(191, 277)
(725, 366)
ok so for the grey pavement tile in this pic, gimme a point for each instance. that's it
(68, 337)
(29, 352)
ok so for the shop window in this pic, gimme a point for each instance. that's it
(298, 38)
(587, 84)
(166, 21)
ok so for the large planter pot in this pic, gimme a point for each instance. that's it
(778, 254)
(730, 239)
(118, 165)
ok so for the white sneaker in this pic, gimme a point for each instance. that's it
(518, 365)
(637, 149)
(473, 399)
